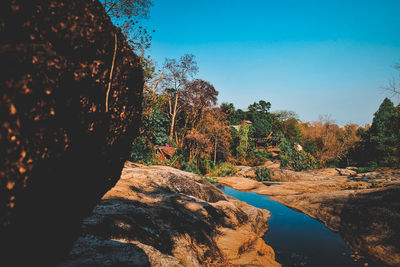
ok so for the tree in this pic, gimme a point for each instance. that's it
(328, 141)
(297, 160)
(283, 115)
(260, 108)
(243, 141)
(383, 134)
(126, 15)
(177, 74)
(291, 130)
(216, 129)
(229, 110)
(197, 96)
(210, 138)
(261, 119)
(238, 116)
(394, 87)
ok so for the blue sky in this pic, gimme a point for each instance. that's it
(312, 57)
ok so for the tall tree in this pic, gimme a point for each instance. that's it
(216, 128)
(127, 14)
(177, 75)
(210, 138)
(197, 96)
(383, 133)
(261, 119)
(394, 85)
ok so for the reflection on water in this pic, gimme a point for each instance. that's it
(297, 239)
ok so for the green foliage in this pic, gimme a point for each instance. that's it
(206, 166)
(380, 144)
(292, 131)
(212, 179)
(262, 120)
(190, 167)
(262, 126)
(234, 143)
(237, 117)
(224, 169)
(140, 151)
(310, 147)
(263, 154)
(158, 128)
(263, 174)
(333, 163)
(243, 141)
(297, 160)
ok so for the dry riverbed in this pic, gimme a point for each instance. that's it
(363, 208)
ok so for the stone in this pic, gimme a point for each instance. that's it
(162, 216)
(346, 172)
(365, 215)
(61, 150)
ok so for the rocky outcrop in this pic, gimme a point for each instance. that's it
(367, 219)
(161, 216)
(364, 211)
(61, 150)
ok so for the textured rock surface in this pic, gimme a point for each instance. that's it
(365, 211)
(162, 216)
(60, 151)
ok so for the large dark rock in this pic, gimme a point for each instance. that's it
(60, 151)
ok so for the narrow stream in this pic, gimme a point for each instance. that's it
(297, 239)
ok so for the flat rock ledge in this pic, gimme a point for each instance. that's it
(365, 212)
(161, 216)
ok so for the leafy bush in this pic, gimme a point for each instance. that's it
(212, 179)
(334, 163)
(140, 152)
(224, 169)
(263, 174)
(263, 154)
(254, 161)
(190, 167)
(297, 160)
(310, 147)
(206, 166)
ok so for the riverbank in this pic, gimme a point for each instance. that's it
(161, 216)
(364, 208)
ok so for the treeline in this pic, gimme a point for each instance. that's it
(181, 111)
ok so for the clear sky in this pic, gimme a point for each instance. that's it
(314, 57)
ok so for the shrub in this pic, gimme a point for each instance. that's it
(206, 166)
(140, 151)
(297, 160)
(263, 174)
(212, 179)
(224, 169)
(190, 167)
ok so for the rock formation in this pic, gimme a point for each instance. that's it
(364, 208)
(161, 216)
(60, 149)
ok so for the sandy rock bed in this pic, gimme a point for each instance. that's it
(363, 208)
(161, 216)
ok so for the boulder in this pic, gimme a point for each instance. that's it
(346, 172)
(61, 149)
(161, 216)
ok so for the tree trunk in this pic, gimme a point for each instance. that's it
(215, 151)
(153, 96)
(171, 134)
